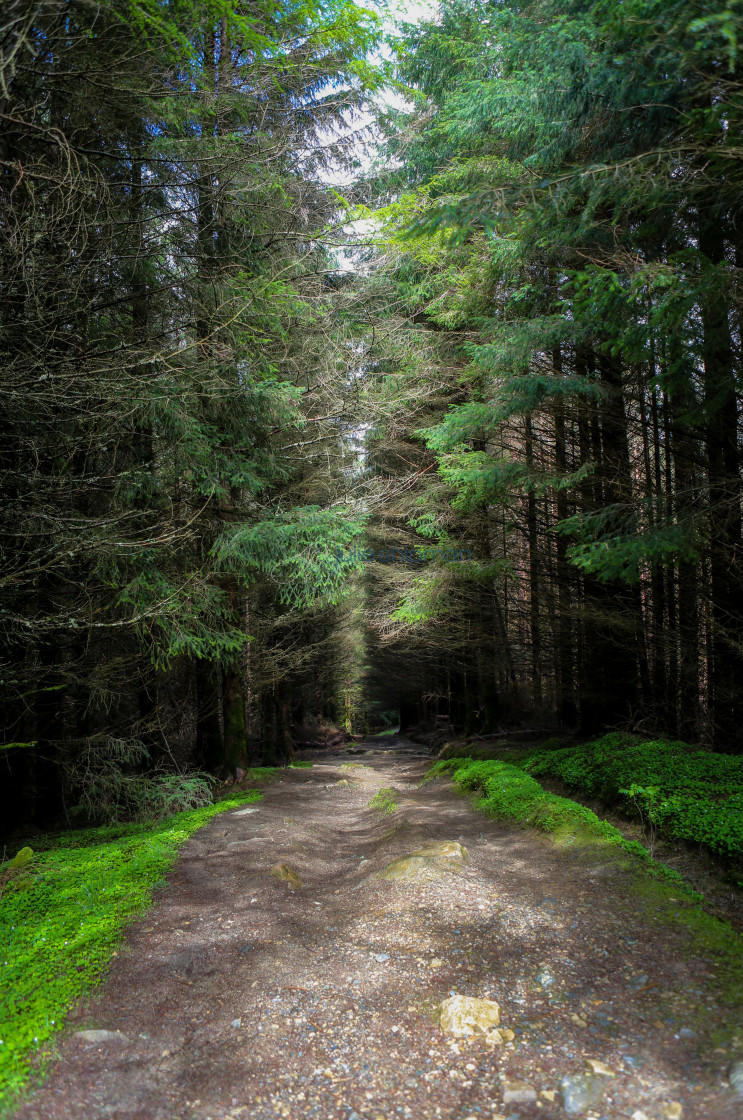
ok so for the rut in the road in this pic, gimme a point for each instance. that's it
(239, 996)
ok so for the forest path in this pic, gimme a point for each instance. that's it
(238, 996)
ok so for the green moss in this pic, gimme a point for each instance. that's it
(384, 800)
(262, 775)
(61, 920)
(708, 938)
(685, 793)
(299, 765)
(510, 794)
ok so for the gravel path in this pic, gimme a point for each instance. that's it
(240, 996)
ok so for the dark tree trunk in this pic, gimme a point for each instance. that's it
(721, 419)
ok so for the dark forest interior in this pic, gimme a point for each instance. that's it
(481, 470)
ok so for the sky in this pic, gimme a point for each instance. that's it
(410, 12)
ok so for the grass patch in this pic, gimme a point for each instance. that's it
(262, 775)
(300, 765)
(62, 918)
(683, 792)
(384, 800)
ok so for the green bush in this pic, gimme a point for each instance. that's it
(62, 916)
(681, 790)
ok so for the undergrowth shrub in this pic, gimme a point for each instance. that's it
(112, 780)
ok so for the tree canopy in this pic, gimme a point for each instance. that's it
(488, 471)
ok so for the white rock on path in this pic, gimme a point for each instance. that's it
(518, 1092)
(735, 1077)
(466, 1015)
(97, 1037)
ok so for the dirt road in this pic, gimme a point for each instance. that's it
(242, 996)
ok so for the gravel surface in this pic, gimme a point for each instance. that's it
(241, 995)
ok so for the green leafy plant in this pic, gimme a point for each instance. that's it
(510, 794)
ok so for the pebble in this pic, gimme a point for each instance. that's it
(672, 1110)
(581, 1091)
(236, 1023)
(93, 1037)
(598, 1067)
(544, 978)
(380, 958)
(243, 812)
(518, 1092)
(735, 1077)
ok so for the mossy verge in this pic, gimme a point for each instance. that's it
(384, 800)
(262, 775)
(675, 789)
(300, 764)
(682, 791)
(61, 921)
(509, 794)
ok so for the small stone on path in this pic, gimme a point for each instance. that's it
(518, 1092)
(581, 1091)
(287, 874)
(93, 1037)
(466, 1015)
(598, 1067)
(735, 1077)
(544, 978)
(438, 856)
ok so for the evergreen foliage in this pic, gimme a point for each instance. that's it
(560, 237)
(165, 349)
